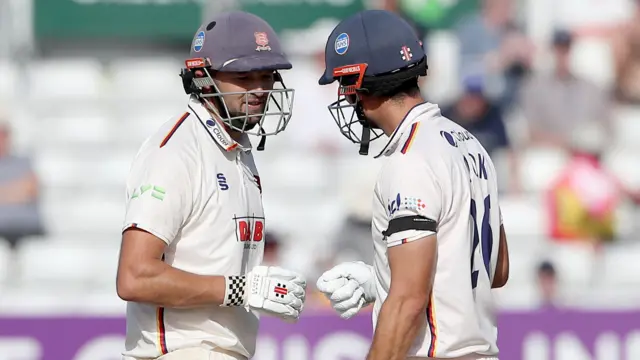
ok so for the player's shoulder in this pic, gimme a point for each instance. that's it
(172, 145)
(408, 164)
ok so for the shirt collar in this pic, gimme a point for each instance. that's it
(216, 128)
(412, 117)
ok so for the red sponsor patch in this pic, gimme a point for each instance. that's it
(195, 63)
(248, 230)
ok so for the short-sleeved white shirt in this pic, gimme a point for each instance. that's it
(199, 191)
(438, 179)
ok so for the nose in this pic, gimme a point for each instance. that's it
(259, 94)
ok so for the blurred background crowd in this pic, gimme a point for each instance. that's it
(550, 88)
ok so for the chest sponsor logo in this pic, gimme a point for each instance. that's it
(213, 127)
(249, 230)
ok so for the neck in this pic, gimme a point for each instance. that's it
(394, 112)
(235, 135)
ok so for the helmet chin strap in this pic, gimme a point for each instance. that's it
(365, 139)
(263, 140)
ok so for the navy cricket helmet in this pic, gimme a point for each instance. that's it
(372, 52)
(238, 41)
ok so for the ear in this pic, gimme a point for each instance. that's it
(369, 102)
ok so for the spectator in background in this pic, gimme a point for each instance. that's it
(547, 285)
(584, 198)
(429, 15)
(557, 103)
(492, 44)
(626, 50)
(478, 114)
(483, 118)
(313, 130)
(19, 215)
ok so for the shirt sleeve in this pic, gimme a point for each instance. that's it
(159, 198)
(414, 200)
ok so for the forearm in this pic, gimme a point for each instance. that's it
(398, 323)
(163, 285)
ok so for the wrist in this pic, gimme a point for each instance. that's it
(370, 291)
(235, 293)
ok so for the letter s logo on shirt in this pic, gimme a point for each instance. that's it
(222, 182)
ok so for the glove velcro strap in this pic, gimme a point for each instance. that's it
(234, 294)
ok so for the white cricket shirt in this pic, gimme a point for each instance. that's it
(436, 170)
(199, 191)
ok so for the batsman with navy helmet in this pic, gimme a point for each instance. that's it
(193, 236)
(439, 244)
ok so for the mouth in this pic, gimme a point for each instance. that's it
(255, 105)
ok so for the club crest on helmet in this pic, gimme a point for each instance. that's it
(262, 41)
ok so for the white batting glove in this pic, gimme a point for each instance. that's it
(349, 286)
(268, 289)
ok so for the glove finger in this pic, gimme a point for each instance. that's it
(296, 304)
(280, 310)
(349, 313)
(334, 273)
(331, 286)
(349, 303)
(345, 292)
(295, 290)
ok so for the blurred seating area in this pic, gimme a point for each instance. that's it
(563, 132)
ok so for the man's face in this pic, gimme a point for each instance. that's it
(471, 106)
(242, 103)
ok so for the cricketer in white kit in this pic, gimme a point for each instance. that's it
(439, 244)
(190, 263)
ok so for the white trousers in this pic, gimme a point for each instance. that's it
(201, 354)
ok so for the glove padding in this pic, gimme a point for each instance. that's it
(275, 291)
(349, 286)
